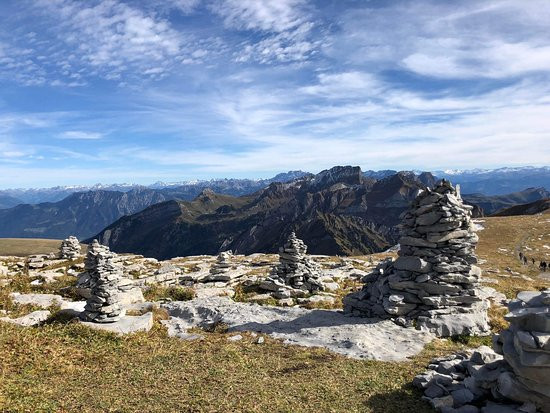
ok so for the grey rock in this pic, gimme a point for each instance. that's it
(33, 319)
(125, 324)
(351, 336)
(462, 396)
(415, 264)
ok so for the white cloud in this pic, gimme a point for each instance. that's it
(109, 38)
(345, 85)
(267, 15)
(292, 46)
(81, 135)
(285, 26)
(454, 40)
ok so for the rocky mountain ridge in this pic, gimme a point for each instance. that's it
(338, 211)
(492, 204)
(487, 181)
(183, 190)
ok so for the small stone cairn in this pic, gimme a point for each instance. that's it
(515, 377)
(70, 249)
(296, 274)
(103, 305)
(434, 282)
(219, 271)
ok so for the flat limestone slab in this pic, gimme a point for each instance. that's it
(351, 336)
(40, 300)
(126, 325)
(33, 319)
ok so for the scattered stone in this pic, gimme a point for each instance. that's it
(260, 340)
(237, 337)
(434, 282)
(69, 249)
(36, 261)
(514, 377)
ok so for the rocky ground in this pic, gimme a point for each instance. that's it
(197, 304)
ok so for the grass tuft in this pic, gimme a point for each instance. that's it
(157, 292)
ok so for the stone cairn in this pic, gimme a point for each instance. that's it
(70, 249)
(223, 263)
(515, 377)
(103, 305)
(434, 282)
(296, 274)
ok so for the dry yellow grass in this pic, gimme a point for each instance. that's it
(69, 368)
(22, 247)
(499, 245)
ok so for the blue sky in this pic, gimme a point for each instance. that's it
(139, 91)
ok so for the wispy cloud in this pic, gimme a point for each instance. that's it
(469, 39)
(112, 37)
(81, 135)
(186, 88)
(270, 16)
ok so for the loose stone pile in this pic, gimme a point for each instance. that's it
(515, 378)
(103, 305)
(296, 273)
(434, 282)
(70, 249)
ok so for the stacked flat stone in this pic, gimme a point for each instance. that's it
(103, 305)
(223, 269)
(525, 346)
(514, 378)
(223, 263)
(296, 273)
(70, 249)
(434, 282)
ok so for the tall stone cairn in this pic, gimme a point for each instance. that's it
(69, 249)
(103, 305)
(434, 282)
(296, 272)
(514, 377)
(525, 346)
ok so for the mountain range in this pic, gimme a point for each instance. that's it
(338, 211)
(498, 181)
(487, 181)
(183, 190)
(83, 214)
